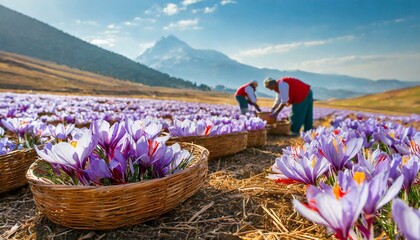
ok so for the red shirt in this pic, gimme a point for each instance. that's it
(241, 90)
(298, 90)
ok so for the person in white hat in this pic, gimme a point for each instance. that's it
(246, 95)
(292, 91)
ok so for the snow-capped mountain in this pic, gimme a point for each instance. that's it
(210, 67)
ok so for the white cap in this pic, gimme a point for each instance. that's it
(268, 81)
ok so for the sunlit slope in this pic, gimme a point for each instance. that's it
(27, 36)
(21, 73)
(405, 100)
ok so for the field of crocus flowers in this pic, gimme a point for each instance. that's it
(355, 175)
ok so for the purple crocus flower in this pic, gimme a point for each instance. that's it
(253, 123)
(40, 129)
(6, 145)
(373, 162)
(190, 128)
(305, 170)
(60, 131)
(162, 166)
(153, 129)
(137, 129)
(118, 167)
(407, 219)
(410, 169)
(179, 155)
(394, 166)
(379, 195)
(98, 169)
(19, 126)
(69, 119)
(11, 113)
(148, 151)
(109, 137)
(313, 135)
(72, 155)
(337, 212)
(339, 153)
(415, 145)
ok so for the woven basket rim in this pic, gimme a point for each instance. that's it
(279, 122)
(258, 130)
(207, 136)
(16, 151)
(32, 179)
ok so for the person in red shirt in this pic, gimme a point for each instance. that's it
(292, 91)
(246, 95)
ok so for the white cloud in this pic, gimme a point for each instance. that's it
(113, 26)
(154, 11)
(210, 9)
(144, 46)
(282, 48)
(388, 22)
(380, 66)
(109, 42)
(351, 59)
(205, 10)
(345, 38)
(190, 2)
(171, 9)
(86, 22)
(140, 19)
(111, 31)
(225, 2)
(315, 43)
(129, 23)
(183, 25)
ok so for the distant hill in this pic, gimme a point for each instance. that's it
(405, 100)
(175, 57)
(221, 88)
(30, 37)
(24, 74)
(19, 72)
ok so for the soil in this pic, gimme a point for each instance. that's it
(236, 202)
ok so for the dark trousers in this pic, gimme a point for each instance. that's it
(243, 104)
(302, 114)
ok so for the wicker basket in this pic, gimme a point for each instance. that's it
(279, 128)
(13, 167)
(266, 116)
(110, 207)
(218, 145)
(257, 138)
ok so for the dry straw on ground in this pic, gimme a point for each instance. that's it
(236, 202)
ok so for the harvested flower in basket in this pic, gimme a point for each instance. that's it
(125, 152)
(27, 132)
(208, 127)
(253, 123)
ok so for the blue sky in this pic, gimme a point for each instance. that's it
(376, 39)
